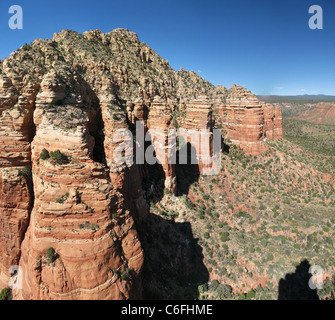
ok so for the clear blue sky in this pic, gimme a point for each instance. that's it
(265, 45)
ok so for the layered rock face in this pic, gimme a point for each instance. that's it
(15, 180)
(198, 124)
(15, 204)
(246, 120)
(77, 213)
(273, 122)
(159, 123)
(70, 209)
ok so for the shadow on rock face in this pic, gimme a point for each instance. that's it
(187, 170)
(153, 182)
(173, 265)
(295, 285)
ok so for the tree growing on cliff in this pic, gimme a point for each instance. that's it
(51, 255)
(44, 155)
(6, 294)
(59, 157)
(25, 172)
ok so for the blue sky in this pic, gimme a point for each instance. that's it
(266, 46)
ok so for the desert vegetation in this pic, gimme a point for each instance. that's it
(262, 216)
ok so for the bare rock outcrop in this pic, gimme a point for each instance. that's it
(246, 120)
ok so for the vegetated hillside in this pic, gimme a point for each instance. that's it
(322, 113)
(317, 139)
(262, 221)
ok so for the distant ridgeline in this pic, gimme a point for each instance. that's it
(299, 98)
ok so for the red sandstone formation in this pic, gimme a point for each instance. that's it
(70, 95)
(246, 120)
(159, 123)
(198, 119)
(15, 151)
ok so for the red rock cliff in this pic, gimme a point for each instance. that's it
(70, 214)
(246, 120)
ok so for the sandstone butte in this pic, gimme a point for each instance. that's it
(71, 93)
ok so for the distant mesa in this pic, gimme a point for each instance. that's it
(323, 113)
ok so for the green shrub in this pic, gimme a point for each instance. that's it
(89, 225)
(44, 155)
(167, 191)
(250, 295)
(327, 289)
(62, 199)
(59, 157)
(49, 106)
(205, 197)
(25, 47)
(241, 297)
(51, 255)
(6, 294)
(224, 291)
(25, 172)
(214, 284)
(262, 207)
(125, 275)
(224, 236)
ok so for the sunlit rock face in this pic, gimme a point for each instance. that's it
(246, 120)
(70, 214)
